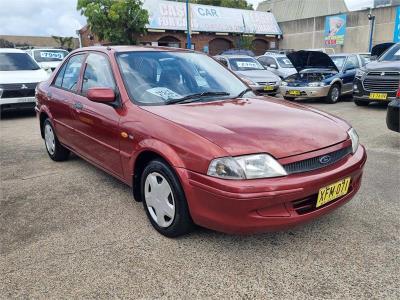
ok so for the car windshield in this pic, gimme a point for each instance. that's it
(244, 64)
(339, 61)
(163, 77)
(17, 62)
(49, 55)
(392, 54)
(284, 62)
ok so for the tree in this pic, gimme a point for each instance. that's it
(242, 4)
(115, 21)
(64, 42)
(6, 44)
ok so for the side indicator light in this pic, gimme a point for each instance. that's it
(124, 134)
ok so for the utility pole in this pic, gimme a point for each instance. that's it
(371, 19)
(188, 38)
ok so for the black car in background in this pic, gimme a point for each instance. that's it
(378, 81)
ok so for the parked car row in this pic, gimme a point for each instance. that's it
(21, 71)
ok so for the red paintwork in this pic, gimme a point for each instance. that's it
(189, 136)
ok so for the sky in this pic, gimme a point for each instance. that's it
(57, 17)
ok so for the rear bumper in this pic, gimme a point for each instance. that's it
(393, 115)
(305, 91)
(266, 204)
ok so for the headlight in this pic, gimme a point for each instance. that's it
(314, 84)
(360, 73)
(248, 81)
(284, 83)
(1, 92)
(354, 139)
(246, 167)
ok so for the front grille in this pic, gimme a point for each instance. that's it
(17, 90)
(382, 81)
(18, 93)
(315, 163)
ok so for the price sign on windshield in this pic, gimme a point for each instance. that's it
(47, 54)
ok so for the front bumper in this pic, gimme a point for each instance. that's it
(21, 103)
(249, 206)
(261, 89)
(360, 94)
(305, 91)
(393, 115)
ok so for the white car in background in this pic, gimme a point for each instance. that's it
(48, 59)
(19, 75)
(278, 64)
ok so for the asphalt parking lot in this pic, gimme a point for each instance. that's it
(70, 230)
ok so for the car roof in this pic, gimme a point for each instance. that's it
(274, 55)
(342, 54)
(132, 48)
(11, 50)
(40, 49)
(234, 56)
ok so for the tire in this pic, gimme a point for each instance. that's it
(334, 94)
(272, 95)
(55, 150)
(361, 103)
(288, 98)
(164, 200)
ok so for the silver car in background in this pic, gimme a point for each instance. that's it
(278, 64)
(252, 72)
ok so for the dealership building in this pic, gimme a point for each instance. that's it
(213, 29)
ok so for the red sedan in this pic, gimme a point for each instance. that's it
(194, 142)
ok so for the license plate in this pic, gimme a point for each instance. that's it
(333, 191)
(378, 96)
(268, 88)
(293, 92)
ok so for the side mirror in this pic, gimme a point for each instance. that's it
(102, 95)
(274, 66)
(374, 57)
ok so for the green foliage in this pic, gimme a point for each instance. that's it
(245, 42)
(242, 4)
(6, 44)
(64, 42)
(115, 21)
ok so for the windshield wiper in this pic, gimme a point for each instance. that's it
(197, 96)
(243, 92)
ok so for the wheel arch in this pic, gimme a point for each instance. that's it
(147, 154)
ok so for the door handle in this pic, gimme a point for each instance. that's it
(78, 106)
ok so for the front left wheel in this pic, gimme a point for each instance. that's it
(334, 94)
(164, 200)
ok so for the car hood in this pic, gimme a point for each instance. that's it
(311, 59)
(258, 75)
(28, 76)
(257, 125)
(383, 66)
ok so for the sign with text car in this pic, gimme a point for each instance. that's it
(170, 15)
(335, 29)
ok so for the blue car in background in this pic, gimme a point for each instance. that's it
(320, 75)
